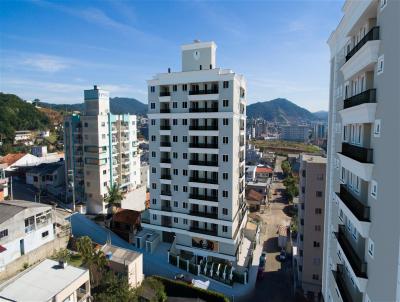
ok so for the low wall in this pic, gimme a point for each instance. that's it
(45, 251)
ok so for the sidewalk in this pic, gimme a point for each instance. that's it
(157, 263)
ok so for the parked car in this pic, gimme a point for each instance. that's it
(282, 255)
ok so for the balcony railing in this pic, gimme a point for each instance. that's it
(203, 180)
(165, 127)
(165, 110)
(166, 193)
(204, 231)
(212, 109)
(366, 97)
(201, 145)
(203, 197)
(167, 224)
(204, 214)
(359, 266)
(341, 284)
(208, 91)
(203, 163)
(165, 93)
(203, 127)
(165, 144)
(361, 154)
(165, 160)
(166, 176)
(166, 208)
(373, 34)
(361, 211)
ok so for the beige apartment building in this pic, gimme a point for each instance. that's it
(308, 261)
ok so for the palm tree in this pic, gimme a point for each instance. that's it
(114, 196)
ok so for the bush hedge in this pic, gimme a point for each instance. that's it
(172, 287)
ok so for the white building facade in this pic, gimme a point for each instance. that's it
(197, 156)
(362, 242)
(101, 149)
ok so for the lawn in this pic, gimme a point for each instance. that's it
(286, 145)
(76, 260)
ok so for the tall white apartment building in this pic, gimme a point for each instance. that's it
(101, 149)
(362, 225)
(197, 156)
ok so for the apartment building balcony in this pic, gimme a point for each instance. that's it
(354, 210)
(203, 180)
(204, 128)
(360, 108)
(203, 145)
(166, 176)
(204, 214)
(166, 208)
(165, 93)
(203, 197)
(203, 95)
(357, 266)
(165, 144)
(204, 231)
(165, 110)
(166, 193)
(363, 56)
(206, 91)
(165, 160)
(342, 291)
(166, 221)
(210, 109)
(165, 127)
(208, 163)
(358, 160)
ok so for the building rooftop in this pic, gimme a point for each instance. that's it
(40, 283)
(119, 254)
(46, 168)
(254, 195)
(11, 158)
(126, 216)
(264, 170)
(313, 158)
(9, 208)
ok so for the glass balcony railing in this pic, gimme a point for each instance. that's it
(203, 197)
(165, 93)
(204, 231)
(203, 145)
(361, 211)
(373, 34)
(365, 97)
(203, 180)
(204, 214)
(203, 163)
(207, 91)
(214, 127)
(211, 109)
(361, 154)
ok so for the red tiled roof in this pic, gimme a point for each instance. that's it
(254, 195)
(2, 249)
(126, 216)
(263, 170)
(11, 158)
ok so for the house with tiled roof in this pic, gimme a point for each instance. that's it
(254, 199)
(263, 173)
(15, 160)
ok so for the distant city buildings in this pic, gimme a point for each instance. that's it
(101, 149)
(308, 248)
(362, 226)
(297, 133)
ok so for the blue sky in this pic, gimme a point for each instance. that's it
(52, 50)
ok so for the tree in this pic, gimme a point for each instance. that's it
(92, 259)
(63, 255)
(153, 290)
(114, 196)
(113, 288)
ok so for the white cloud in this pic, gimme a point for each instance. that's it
(46, 63)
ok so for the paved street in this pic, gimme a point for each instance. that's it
(277, 282)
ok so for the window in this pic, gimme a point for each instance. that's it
(152, 105)
(185, 221)
(153, 154)
(318, 211)
(153, 170)
(226, 84)
(175, 122)
(318, 194)
(154, 217)
(317, 228)
(184, 122)
(300, 268)
(174, 104)
(383, 4)
(185, 205)
(154, 186)
(315, 277)
(224, 228)
(225, 140)
(184, 105)
(303, 173)
(225, 103)
(175, 155)
(174, 87)
(225, 122)
(105, 184)
(184, 87)
(225, 158)
(45, 234)
(225, 176)
(184, 155)
(29, 224)
(225, 211)
(201, 67)
(374, 189)
(377, 128)
(153, 138)
(303, 190)
(320, 177)
(370, 248)
(185, 172)
(104, 172)
(185, 189)
(184, 139)
(175, 139)
(88, 183)
(175, 171)
(153, 122)
(301, 237)
(225, 194)
(3, 233)
(152, 88)
(103, 124)
(176, 204)
(302, 221)
(380, 65)
(154, 201)
(103, 136)
(86, 125)
(176, 188)
(316, 244)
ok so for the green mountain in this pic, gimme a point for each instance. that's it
(117, 106)
(16, 114)
(321, 115)
(279, 110)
